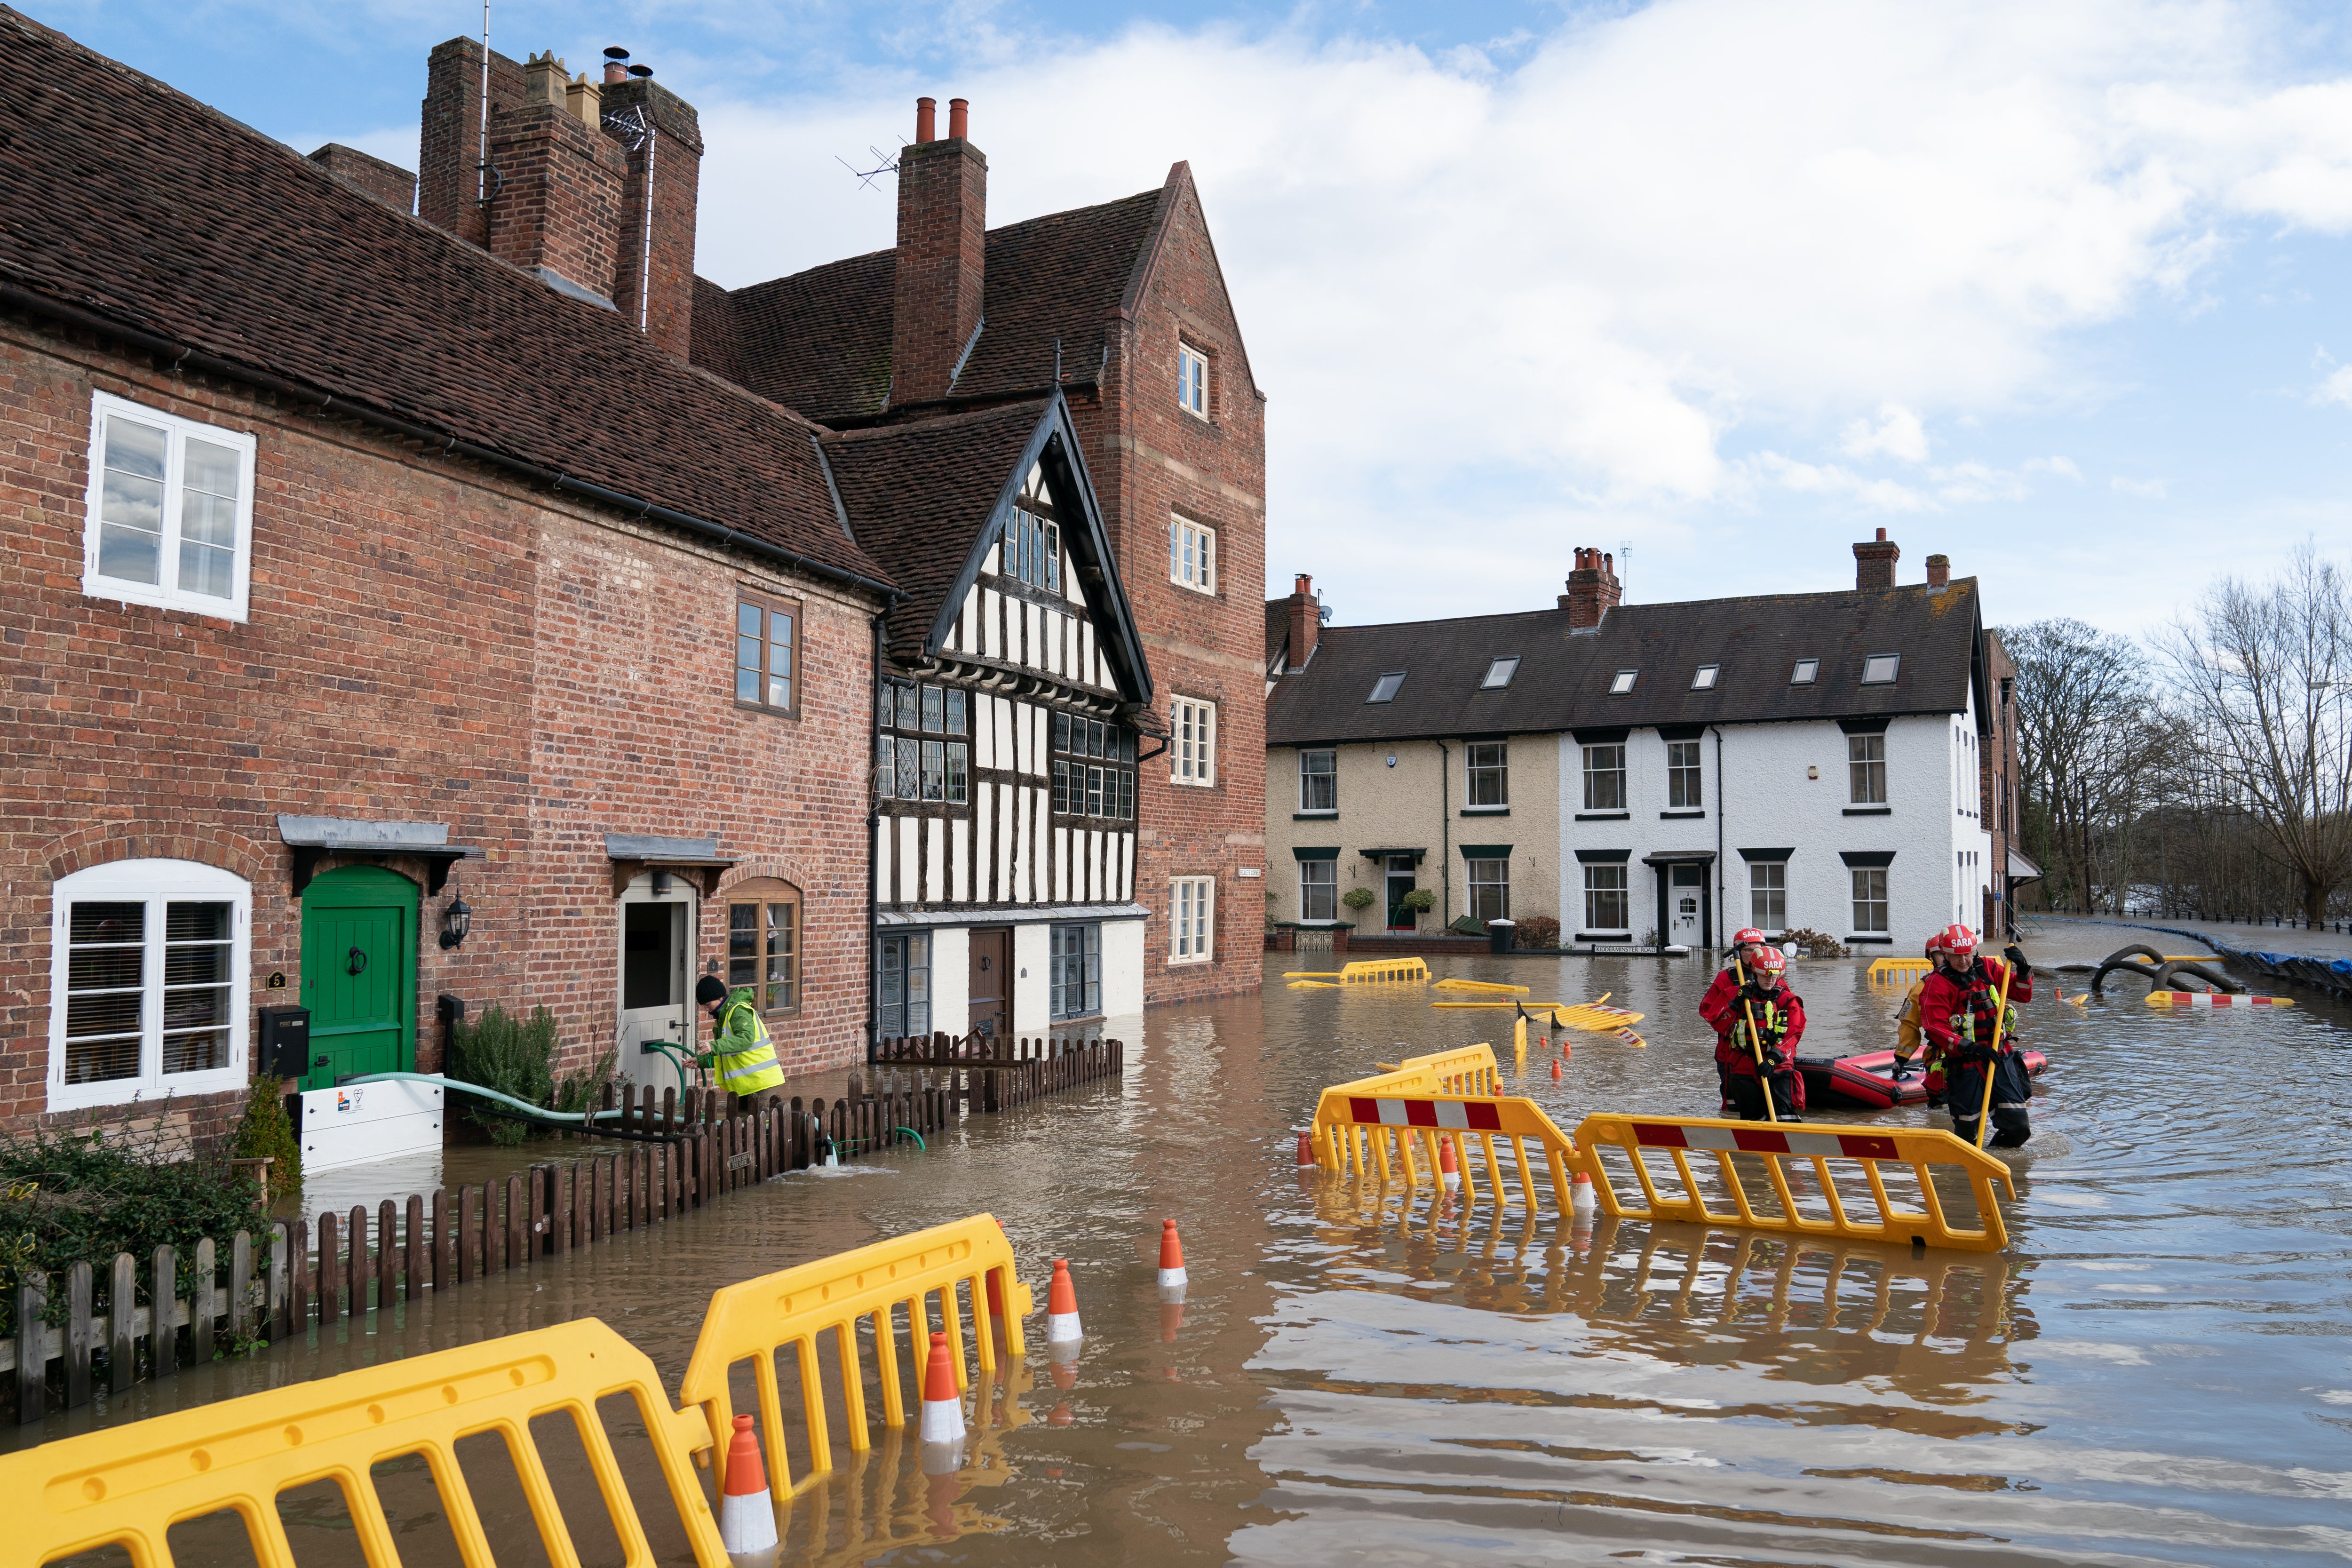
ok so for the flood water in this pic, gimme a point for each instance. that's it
(2158, 1370)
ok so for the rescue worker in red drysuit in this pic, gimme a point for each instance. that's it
(1960, 1009)
(1720, 1005)
(1778, 1014)
(1908, 1038)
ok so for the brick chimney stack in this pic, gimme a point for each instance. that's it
(942, 246)
(1939, 571)
(1873, 564)
(1593, 589)
(655, 292)
(565, 189)
(1306, 621)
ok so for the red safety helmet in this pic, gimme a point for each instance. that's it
(1935, 945)
(1771, 962)
(1748, 936)
(1959, 941)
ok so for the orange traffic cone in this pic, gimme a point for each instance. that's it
(1555, 1069)
(942, 1405)
(1307, 1148)
(1581, 1199)
(1062, 1324)
(747, 1518)
(1447, 1170)
(1171, 1319)
(1171, 1257)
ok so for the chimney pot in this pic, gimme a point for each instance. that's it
(616, 65)
(927, 124)
(643, 73)
(585, 99)
(1303, 585)
(1881, 536)
(544, 79)
(959, 118)
(1939, 571)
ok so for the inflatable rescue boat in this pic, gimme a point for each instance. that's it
(1868, 1080)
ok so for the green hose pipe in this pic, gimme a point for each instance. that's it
(523, 1110)
(918, 1137)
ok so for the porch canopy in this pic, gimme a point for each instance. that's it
(634, 853)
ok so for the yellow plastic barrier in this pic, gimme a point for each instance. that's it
(1393, 1123)
(1452, 985)
(1809, 1201)
(1310, 974)
(127, 1485)
(1412, 970)
(1314, 985)
(1595, 1018)
(1900, 971)
(795, 1307)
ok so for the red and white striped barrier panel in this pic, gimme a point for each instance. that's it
(1461, 1115)
(2213, 999)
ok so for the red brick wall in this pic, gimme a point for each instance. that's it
(425, 643)
(448, 187)
(1149, 459)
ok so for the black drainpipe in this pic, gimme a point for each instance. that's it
(1722, 907)
(873, 859)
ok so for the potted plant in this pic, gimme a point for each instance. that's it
(1420, 900)
(1358, 897)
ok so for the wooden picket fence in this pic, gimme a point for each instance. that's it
(992, 1073)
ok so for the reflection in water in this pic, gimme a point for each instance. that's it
(2157, 1371)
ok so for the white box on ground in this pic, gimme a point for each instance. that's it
(364, 1122)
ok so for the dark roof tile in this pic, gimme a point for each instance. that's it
(1562, 681)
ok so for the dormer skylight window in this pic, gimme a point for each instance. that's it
(1623, 684)
(1499, 672)
(1385, 688)
(1803, 674)
(1703, 678)
(1878, 669)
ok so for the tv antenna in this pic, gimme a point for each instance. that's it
(1625, 564)
(883, 164)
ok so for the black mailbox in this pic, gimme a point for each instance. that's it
(286, 1043)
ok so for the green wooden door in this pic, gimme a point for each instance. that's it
(359, 973)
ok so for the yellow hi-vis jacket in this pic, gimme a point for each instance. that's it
(741, 1052)
(1907, 1034)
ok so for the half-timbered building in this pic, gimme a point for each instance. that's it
(1012, 708)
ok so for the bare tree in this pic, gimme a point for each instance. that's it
(2265, 676)
(2086, 746)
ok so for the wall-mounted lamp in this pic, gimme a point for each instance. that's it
(1392, 759)
(456, 919)
(661, 884)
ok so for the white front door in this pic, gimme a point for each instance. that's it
(657, 925)
(1687, 884)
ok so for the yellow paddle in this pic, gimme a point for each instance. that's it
(2000, 1017)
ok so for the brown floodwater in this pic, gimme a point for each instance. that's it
(2158, 1370)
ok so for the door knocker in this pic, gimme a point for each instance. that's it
(983, 966)
(355, 961)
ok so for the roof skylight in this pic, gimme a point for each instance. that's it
(1703, 678)
(1623, 683)
(1879, 668)
(1384, 689)
(1499, 672)
(1802, 675)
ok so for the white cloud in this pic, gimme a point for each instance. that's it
(1898, 434)
(2145, 489)
(2336, 388)
(1633, 262)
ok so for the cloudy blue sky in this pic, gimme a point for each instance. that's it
(2063, 290)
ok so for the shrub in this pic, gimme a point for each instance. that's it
(1815, 945)
(1358, 897)
(81, 1197)
(497, 1051)
(266, 1132)
(1537, 931)
(578, 1091)
(1420, 900)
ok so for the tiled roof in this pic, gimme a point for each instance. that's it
(1277, 630)
(1563, 678)
(131, 202)
(918, 495)
(819, 341)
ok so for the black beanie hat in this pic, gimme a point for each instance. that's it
(707, 990)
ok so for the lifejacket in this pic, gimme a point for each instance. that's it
(1773, 1021)
(1979, 1019)
(752, 1066)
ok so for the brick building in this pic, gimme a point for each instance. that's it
(1122, 311)
(356, 572)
